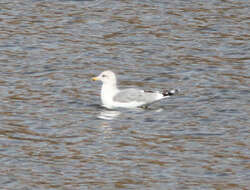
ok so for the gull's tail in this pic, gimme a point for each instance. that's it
(166, 93)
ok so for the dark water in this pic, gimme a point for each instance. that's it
(55, 135)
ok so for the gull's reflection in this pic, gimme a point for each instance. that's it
(108, 114)
(159, 110)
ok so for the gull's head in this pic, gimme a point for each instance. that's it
(107, 77)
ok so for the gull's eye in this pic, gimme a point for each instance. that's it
(104, 75)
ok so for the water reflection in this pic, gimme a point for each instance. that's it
(109, 114)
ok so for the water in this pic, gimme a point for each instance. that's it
(55, 135)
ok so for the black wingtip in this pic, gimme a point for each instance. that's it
(169, 92)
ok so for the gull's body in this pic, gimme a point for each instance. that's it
(112, 97)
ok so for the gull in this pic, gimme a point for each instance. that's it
(112, 97)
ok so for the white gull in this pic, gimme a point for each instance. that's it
(112, 97)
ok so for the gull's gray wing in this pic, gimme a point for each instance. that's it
(131, 94)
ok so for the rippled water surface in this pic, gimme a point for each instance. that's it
(55, 135)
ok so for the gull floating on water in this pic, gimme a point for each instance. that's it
(112, 97)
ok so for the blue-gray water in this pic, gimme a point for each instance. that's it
(53, 132)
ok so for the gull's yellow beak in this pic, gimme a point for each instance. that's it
(95, 78)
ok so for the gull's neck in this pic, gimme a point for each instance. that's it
(108, 92)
